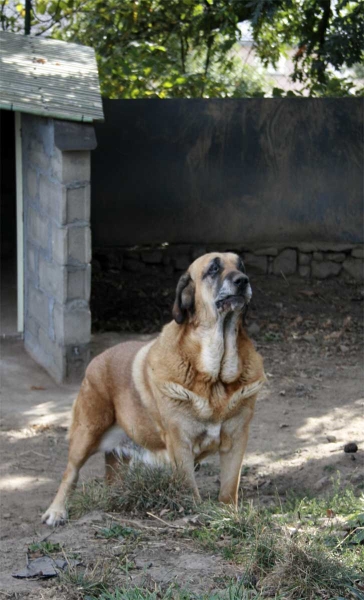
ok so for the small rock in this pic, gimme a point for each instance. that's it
(308, 337)
(352, 456)
(283, 425)
(355, 268)
(331, 439)
(253, 329)
(351, 447)
(318, 256)
(304, 271)
(304, 259)
(279, 305)
(336, 256)
(321, 483)
(6, 515)
(343, 348)
(282, 393)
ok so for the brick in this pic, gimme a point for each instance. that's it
(32, 183)
(325, 269)
(78, 203)
(72, 325)
(38, 306)
(76, 167)
(53, 279)
(79, 283)
(286, 262)
(79, 245)
(59, 243)
(258, 263)
(52, 199)
(37, 227)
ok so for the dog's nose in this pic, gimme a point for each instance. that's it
(240, 280)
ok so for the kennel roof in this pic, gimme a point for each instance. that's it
(49, 78)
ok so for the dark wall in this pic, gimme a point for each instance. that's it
(246, 171)
(7, 185)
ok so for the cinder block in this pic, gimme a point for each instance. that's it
(32, 183)
(32, 255)
(37, 227)
(59, 243)
(37, 155)
(78, 203)
(53, 279)
(38, 305)
(52, 199)
(56, 164)
(76, 167)
(32, 325)
(78, 357)
(54, 351)
(72, 325)
(79, 283)
(79, 245)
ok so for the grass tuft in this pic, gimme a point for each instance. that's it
(140, 489)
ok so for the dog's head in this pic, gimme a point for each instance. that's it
(213, 286)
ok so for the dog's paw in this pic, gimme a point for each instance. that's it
(53, 517)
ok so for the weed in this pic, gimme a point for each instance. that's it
(44, 547)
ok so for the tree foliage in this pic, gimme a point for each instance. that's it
(189, 48)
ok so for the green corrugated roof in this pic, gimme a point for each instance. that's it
(49, 78)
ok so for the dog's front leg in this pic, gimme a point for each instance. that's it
(181, 457)
(234, 440)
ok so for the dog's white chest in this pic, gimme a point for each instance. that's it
(208, 439)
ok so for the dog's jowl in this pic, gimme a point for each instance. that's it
(187, 394)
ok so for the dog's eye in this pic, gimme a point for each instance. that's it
(213, 269)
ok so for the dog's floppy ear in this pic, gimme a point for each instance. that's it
(185, 296)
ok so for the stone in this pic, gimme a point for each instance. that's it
(181, 263)
(351, 447)
(179, 250)
(325, 269)
(318, 256)
(307, 247)
(304, 259)
(258, 263)
(266, 252)
(336, 256)
(38, 229)
(304, 271)
(52, 199)
(355, 268)
(78, 201)
(330, 247)
(153, 257)
(168, 269)
(79, 245)
(286, 262)
(76, 167)
(358, 252)
(134, 266)
(331, 439)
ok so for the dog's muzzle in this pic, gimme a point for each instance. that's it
(235, 293)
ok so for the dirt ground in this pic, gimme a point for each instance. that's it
(310, 335)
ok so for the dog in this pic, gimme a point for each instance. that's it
(187, 394)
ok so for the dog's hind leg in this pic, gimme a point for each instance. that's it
(86, 431)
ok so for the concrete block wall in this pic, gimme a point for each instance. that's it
(57, 246)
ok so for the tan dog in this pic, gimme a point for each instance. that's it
(187, 394)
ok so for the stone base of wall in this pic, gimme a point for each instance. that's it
(306, 260)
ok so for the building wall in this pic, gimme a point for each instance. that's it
(57, 247)
(248, 172)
